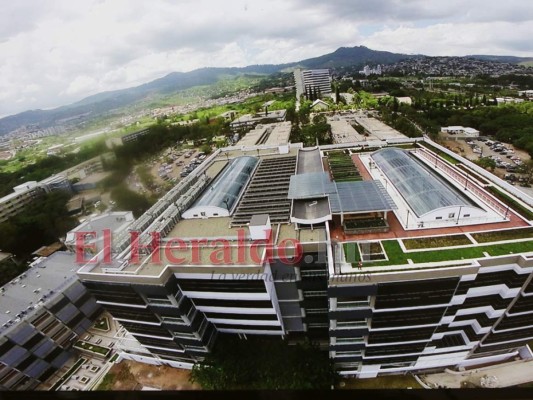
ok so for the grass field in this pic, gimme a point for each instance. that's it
(398, 257)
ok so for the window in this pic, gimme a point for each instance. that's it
(175, 320)
(195, 348)
(354, 340)
(154, 299)
(347, 353)
(438, 218)
(202, 214)
(451, 215)
(184, 335)
(466, 215)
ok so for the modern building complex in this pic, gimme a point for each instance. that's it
(392, 259)
(312, 83)
(42, 313)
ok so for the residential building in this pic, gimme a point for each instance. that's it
(14, 203)
(312, 83)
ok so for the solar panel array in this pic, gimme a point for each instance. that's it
(267, 192)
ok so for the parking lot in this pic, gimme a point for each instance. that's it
(175, 165)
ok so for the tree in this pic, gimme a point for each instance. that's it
(487, 163)
(262, 364)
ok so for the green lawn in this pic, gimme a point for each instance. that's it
(398, 257)
(382, 382)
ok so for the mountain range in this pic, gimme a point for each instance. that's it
(100, 104)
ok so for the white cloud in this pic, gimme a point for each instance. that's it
(58, 52)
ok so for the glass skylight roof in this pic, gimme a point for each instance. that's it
(421, 188)
(228, 186)
(361, 196)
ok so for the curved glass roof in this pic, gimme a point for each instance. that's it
(423, 190)
(229, 184)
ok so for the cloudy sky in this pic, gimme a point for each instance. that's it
(56, 52)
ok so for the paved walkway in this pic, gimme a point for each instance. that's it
(509, 374)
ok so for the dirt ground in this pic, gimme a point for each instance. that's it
(131, 375)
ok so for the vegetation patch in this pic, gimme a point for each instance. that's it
(342, 167)
(396, 256)
(262, 364)
(519, 208)
(442, 154)
(92, 348)
(496, 236)
(436, 241)
(365, 223)
(102, 324)
(468, 171)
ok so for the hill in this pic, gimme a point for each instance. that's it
(102, 104)
(503, 59)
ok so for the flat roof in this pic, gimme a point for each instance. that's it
(378, 128)
(27, 289)
(259, 220)
(115, 221)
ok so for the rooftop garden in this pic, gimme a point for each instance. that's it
(436, 241)
(342, 167)
(365, 223)
(510, 234)
(102, 324)
(92, 348)
(396, 256)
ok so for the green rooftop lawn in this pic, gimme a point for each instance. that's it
(398, 257)
(92, 347)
